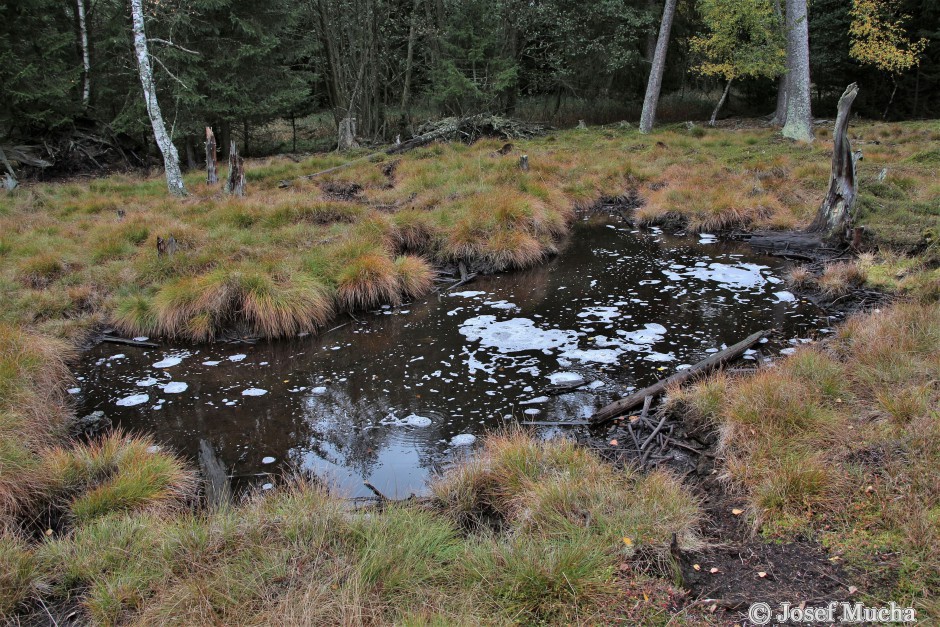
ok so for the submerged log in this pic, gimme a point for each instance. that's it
(834, 217)
(217, 486)
(212, 169)
(617, 408)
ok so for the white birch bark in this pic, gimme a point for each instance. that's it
(86, 58)
(799, 123)
(171, 158)
(655, 83)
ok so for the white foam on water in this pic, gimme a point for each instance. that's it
(74, 390)
(604, 314)
(118, 356)
(732, 276)
(211, 362)
(267, 460)
(515, 335)
(537, 399)
(267, 486)
(141, 338)
(564, 377)
(175, 387)
(596, 384)
(785, 297)
(318, 390)
(237, 357)
(254, 392)
(467, 294)
(171, 360)
(463, 439)
(411, 420)
(133, 399)
(146, 383)
(532, 411)
(501, 304)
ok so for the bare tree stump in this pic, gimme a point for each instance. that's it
(834, 218)
(347, 134)
(212, 168)
(236, 172)
(524, 163)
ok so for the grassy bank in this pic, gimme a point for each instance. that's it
(841, 442)
(838, 443)
(282, 261)
(528, 532)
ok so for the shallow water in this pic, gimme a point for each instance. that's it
(399, 394)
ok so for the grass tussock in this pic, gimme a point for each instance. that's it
(112, 474)
(841, 441)
(300, 555)
(841, 277)
(33, 411)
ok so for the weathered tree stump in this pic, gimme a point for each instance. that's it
(212, 168)
(524, 163)
(236, 172)
(834, 218)
(347, 134)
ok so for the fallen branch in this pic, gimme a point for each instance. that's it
(617, 408)
(123, 340)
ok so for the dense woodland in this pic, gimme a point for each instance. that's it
(69, 68)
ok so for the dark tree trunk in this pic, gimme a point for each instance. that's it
(190, 153)
(212, 169)
(236, 172)
(834, 217)
(225, 138)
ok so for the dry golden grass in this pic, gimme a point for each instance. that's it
(840, 442)
(841, 277)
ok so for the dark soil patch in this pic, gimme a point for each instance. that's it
(796, 572)
(337, 190)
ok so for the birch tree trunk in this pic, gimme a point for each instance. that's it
(799, 124)
(86, 56)
(721, 102)
(655, 84)
(780, 114)
(171, 158)
(835, 214)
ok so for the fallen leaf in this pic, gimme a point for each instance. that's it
(713, 570)
(646, 597)
(713, 608)
(48, 532)
(737, 512)
(613, 442)
(286, 380)
(634, 419)
(761, 574)
(696, 567)
(661, 368)
(852, 589)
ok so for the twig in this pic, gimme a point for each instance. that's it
(655, 431)
(375, 490)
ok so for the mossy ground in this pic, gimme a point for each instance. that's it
(838, 443)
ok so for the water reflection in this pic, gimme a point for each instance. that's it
(384, 398)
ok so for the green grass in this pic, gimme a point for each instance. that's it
(301, 552)
(842, 443)
(527, 532)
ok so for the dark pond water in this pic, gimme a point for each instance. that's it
(397, 395)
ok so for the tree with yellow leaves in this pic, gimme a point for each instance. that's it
(742, 39)
(879, 39)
